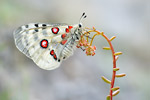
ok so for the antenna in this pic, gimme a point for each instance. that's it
(82, 17)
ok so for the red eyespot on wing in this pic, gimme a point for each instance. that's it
(44, 43)
(70, 27)
(63, 36)
(63, 42)
(67, 30)
(55, 57)
(52, 52)
(55, 30)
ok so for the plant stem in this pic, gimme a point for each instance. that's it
(113, 56)
(114, 64)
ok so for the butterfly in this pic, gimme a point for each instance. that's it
(48, 44)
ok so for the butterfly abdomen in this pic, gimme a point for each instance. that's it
(68, 48)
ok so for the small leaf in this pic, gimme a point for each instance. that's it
(120, 75)
(118, 53)
(112, 38)
(106, 80)
(116, 58)
(106, 48)
(116, 92)
(108, 97)
(115, 69)
(115, 88)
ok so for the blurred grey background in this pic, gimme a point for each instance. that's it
(79, 77)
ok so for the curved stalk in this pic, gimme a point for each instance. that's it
(90, 51)
(114, 60)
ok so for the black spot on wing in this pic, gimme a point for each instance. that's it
(58, 60)
(36, 25)
(26, 26)
(36, 30)
(44, 25)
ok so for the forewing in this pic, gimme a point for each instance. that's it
(29, 39)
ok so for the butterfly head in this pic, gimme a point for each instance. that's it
(82, 17)
(79, 27)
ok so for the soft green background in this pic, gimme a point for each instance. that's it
(78, 78)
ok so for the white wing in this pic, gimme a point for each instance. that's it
(28, 39)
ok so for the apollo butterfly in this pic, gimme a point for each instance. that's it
(48, 44)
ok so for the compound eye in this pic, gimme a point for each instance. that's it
(80, 25)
